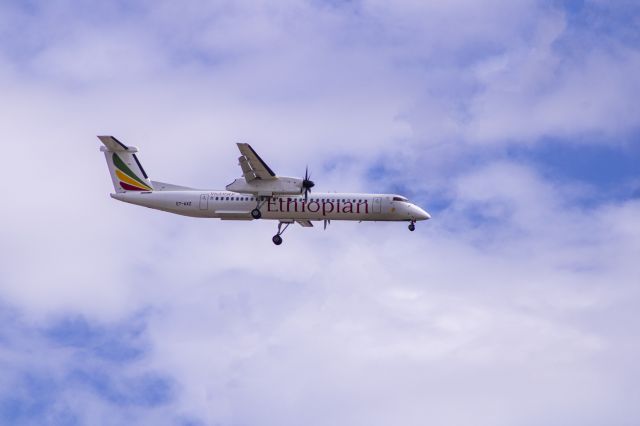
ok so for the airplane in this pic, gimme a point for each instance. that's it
(258, 194)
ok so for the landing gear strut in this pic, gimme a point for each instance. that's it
(277, 239)
(412, 226)
(256, 213)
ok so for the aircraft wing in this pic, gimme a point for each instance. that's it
(253, 167)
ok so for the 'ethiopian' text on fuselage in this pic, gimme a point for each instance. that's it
(314, 206)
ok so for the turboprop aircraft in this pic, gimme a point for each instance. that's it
(258, 194)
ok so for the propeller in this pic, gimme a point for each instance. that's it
(307, 184)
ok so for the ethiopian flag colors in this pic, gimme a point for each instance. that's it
(128, 179)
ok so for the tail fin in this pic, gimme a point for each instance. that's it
(125, 168)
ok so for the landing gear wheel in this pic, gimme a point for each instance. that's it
(256, 214)
(277, 239)
(412, 227)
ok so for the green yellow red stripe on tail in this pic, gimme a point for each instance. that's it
(128, 179)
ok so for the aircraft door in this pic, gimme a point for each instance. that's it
(377, 205)
(204, 201)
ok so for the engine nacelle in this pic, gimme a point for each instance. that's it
(278, 186)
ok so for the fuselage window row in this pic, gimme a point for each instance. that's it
(311, 200)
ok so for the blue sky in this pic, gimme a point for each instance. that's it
(514, 123)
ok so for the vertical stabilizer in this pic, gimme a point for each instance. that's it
(126, 171)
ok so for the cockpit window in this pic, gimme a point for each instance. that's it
(400, 199)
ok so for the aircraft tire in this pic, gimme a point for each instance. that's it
(277, 240)
(412, 227)
(256, 214)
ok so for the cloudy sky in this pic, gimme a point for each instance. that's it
(514, 123)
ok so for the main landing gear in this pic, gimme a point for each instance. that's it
(277, 239)
(256, 213)
(412, 226)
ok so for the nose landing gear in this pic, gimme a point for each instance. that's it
(412, 226)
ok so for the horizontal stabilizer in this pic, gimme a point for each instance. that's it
(114, 145)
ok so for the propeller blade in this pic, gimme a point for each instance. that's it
(307, 183)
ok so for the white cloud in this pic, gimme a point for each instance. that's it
(540, 91)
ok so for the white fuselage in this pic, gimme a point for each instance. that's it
(319, 206)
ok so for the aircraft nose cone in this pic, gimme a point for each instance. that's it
(422, 215)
